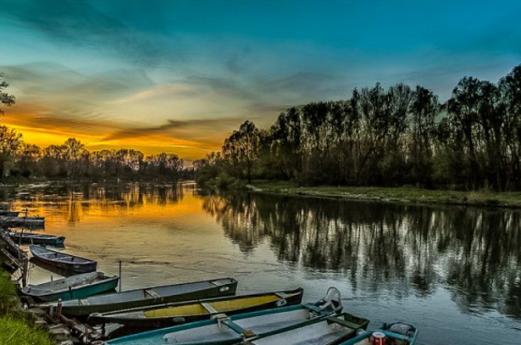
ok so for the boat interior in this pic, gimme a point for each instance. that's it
(320, 333)
(257, 324)
(208, 308)
(57, 256)
(65, 283)
(153, 292)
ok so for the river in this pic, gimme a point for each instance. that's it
(454, 272)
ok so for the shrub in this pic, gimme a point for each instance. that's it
(16, 331)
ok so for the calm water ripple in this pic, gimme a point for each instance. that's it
(453, 271)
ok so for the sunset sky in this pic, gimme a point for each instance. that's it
(179, 76)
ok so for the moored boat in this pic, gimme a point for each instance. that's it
(8, 213)
(76, 286)
(164, 315)
(31, 238)
(27, 222)
(397, 333)
(331, 330)
(67, 262)
(226, 330)
(150, 296)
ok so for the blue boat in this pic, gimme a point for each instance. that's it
(63, 261)
(30, 238)
(8, 213)
(73, 287)
(227, 330)
(399, 333)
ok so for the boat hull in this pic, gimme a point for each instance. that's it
(96, 288)
(214, 331)
(85, 307)
(67, 267)
(56, 241)
(327, 331)
(133, 324)
(9, 213)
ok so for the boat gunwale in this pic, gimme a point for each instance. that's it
(31, 235)
(108, 315)
(82, 261)
(241, 316)
(327, 318)
(76, 303)
(107, 279)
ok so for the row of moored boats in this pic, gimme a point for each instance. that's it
(204, 312)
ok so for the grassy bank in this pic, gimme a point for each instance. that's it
(393, 194)
(14, 326)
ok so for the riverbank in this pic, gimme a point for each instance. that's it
(411, 195)
(15, 324)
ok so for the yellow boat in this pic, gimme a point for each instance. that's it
(169, 314)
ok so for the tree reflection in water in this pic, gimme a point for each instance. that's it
(387, 248)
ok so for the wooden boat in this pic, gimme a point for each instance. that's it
(149, 296)
(67, 262)
(27, 222)
(77, 286)
(331, 330)
(31, 238)
(8, 213)
(226, 330)
(397, 333)
(164, 315)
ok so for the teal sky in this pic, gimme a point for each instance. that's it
(178, 76)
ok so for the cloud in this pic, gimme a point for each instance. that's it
(78, 23)
(204, 130)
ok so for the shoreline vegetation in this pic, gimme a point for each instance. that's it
(465, 150)
(407, 195)
(16, 326)
(21, 161)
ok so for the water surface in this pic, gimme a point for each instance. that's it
(455, 272)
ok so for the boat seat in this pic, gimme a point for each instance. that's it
(209, 308)
(345, 323)
(151, 293)
(246, 333)
(84, 301)
(219, 317)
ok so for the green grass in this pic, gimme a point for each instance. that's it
(14, 326)
(395, 194)
(8, 297)
(17, 331)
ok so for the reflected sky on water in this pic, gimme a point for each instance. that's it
(455, 272)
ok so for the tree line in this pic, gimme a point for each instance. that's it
(72, 160)
(385, 137)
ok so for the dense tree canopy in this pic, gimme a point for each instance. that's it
(5, 98)
(382, 137)
(72, 161)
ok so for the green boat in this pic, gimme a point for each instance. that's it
(149, 296)
(170, 314)
(228, 330)
(398, 333)
(76, 286)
